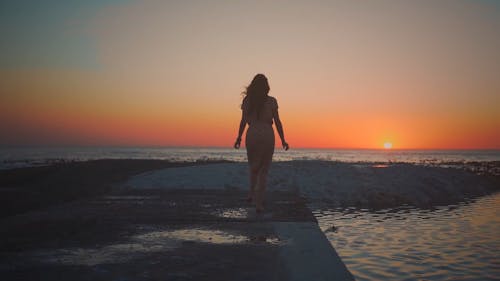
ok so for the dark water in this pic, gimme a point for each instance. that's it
(477, 160)
(458, 242)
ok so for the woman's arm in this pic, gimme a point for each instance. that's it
(279, 128)
(243, 123)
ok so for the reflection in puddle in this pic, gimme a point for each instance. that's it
(147, 243)
(272, 239)
(234, 213)
(195, 235)
(380, 166)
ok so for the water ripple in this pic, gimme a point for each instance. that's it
(448, 243)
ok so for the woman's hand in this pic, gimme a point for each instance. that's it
(285, 145)
(237, 143)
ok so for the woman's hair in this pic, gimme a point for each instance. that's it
(256, 93)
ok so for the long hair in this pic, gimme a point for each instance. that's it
(256, 93)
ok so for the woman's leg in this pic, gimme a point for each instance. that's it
(262, 173)
(260, 147)
(253, 167)
(253, 174)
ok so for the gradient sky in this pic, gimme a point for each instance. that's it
(347, 74)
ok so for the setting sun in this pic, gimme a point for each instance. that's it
(388, 145)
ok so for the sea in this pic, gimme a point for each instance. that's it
(15, 157)
(453, 242)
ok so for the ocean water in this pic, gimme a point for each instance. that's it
(456, 242)
(11, 157)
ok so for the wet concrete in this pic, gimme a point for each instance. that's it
(169, 235)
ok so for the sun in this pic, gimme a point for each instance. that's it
(387, 145)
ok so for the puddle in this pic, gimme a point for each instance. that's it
(147, 243)
(235, 213)
(268, 239)
(194, 235)
(379, 166)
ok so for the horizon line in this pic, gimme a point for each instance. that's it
(20, 146)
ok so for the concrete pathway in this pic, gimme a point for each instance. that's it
(152, 234)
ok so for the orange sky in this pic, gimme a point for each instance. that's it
(419, 75)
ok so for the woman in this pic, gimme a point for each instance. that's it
(259, 110)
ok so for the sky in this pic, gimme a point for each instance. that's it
(346, 74)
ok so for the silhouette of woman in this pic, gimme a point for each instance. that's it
(258, 111)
